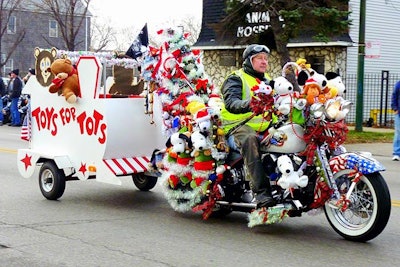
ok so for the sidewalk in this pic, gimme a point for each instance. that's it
(373, 129)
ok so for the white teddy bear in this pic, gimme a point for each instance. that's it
(285, 97)
(289, 177)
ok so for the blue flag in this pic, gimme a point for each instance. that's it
(139, 45)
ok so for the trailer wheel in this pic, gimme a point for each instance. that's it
(51, 181)
(144, 182)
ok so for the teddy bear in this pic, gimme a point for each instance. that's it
(289, 177)
(66, 81)
(125, 83)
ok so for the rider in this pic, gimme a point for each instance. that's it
(237, 98)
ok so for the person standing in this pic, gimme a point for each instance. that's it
(31, 72)
(14, 90)
(2, 93)
(238, 97)
(395, 107)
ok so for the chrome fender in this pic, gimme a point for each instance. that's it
(364, 162)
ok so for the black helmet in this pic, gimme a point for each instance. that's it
(254, 49)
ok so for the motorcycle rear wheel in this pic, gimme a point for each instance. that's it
(368, 211)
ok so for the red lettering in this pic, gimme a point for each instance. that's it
(81, 120)
(97, 117)
(102, 139)
(54, 131)
(35, 114)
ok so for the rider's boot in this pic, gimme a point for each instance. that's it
(264, 198)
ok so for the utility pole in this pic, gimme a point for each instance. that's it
(360, 68)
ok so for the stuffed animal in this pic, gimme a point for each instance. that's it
(285, 98)
(203, 121)
(204, 163)
(335, 84)
(125, 83)
(66, 81)
(289, 178)
(336, 107)
(177, 159)
(215, 105)
(315, 88)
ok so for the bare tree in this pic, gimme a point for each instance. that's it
(189, 24)
(102, 35)
(7, 9)
(71, 16)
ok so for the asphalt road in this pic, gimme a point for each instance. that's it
(96, 224)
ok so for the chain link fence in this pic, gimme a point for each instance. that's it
(378, 88)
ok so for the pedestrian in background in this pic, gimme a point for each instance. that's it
(395, 108)
(27, 76)
(2, 93)
(14, 90)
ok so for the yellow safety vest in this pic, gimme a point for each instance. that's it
(229, 120)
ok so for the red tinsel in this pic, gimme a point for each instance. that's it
(323, 193)
(208, 206)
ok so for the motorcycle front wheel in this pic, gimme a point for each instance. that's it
(368, 211)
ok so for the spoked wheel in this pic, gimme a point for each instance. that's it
(51, 181)
(144, 182)
(368, 211)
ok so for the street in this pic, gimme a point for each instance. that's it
(97, 224)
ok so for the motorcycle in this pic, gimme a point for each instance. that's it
(309, 168)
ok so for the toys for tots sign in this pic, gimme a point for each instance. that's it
(257, 22)
(90, 123)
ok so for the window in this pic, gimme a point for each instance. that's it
(317, 63)
(12, 25)
(53, 28)
(8, 67)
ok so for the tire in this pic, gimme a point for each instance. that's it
(220, 212)
(51, 181)
(368, 211)
(144, 182)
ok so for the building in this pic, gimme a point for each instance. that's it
(381, 62)
(41, 30)
(222, 56)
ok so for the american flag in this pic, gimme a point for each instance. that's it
(26, 127)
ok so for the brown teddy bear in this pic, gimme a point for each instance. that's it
(124, 83)
(66, 81)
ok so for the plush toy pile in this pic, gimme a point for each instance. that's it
(193, 162)
(196, 149)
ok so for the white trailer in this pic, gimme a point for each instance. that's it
(95, 138)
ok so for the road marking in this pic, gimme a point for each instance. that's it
(13, 151)
(395, 203)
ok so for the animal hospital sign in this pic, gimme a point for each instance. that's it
(258, 22)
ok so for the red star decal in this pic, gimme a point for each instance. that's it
(83, 168)
(27, 161)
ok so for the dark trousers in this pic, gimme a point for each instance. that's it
(248, 143)
(15, 116)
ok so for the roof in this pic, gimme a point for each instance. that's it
(214, 12)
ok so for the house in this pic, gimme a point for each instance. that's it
(41, 31)
(221, 56)
(381, 62)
